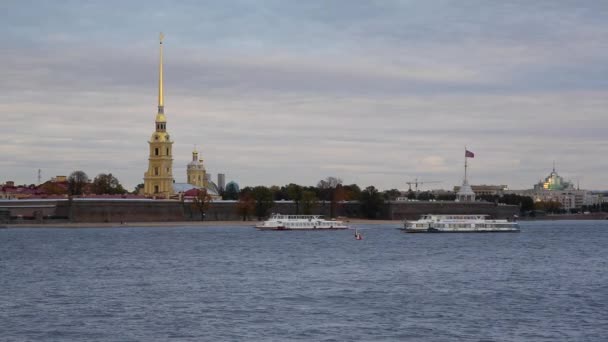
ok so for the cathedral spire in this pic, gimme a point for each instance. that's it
(161, 99)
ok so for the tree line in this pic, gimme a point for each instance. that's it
(329, 193)
(79, 183)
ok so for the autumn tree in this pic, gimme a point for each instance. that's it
(201, 202)
(245, 206)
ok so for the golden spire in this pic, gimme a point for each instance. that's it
(161, 100)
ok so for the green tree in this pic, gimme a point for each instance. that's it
(446, 197)
(371, 202)
(263, 201)
(327, 188)
(107, 184)
(426, 196)
(137, 189)
(391, 195)
(294, 193)
(309, 201)
(77, 181)
(201, 202)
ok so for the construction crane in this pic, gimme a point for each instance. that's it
(416, 182)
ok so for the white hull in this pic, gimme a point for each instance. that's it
(300, 222)
(459, 224)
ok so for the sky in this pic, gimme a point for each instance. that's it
(274, 92)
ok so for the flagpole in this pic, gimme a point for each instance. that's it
(465, 164)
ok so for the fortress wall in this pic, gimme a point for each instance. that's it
(413, 210)
(164, 210)
(126, 211)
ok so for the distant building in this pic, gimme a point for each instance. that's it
(555, 188)
(481, 190)
(195, 171)
(158, 180)
(553, 182)
(221, 181)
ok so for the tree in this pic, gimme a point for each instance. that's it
(294, 193)
(371, 202)
(138, 188)
(231, 192)
(263, 201)
(353, 192)
(412, 195)
(245, 206)
(391, 195)
(201, 202)
(327, 188)
(107, 184)
(309, 201)
(77, 182)
(426, 196)
(446, 197)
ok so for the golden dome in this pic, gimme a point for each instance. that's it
(160, 117)
(159, 137)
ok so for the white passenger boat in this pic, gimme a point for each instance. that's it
(299, 222)
(459, 224)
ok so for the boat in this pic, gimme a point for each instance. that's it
(459, 224)
(299, 222)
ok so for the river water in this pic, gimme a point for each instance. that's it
(547, 283)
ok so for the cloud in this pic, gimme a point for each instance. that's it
(279, 92)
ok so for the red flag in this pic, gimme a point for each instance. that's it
(469, 154)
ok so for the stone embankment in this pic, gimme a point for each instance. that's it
(144, 210)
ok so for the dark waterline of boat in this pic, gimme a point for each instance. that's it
(547, 283)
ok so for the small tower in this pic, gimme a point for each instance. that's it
(195, 172)
(466, 193)
(158, 180)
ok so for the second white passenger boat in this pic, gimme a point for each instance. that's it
(459, 224)
(299, 222)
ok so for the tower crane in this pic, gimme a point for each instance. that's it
(416, 182)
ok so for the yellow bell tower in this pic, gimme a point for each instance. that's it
(158, 180)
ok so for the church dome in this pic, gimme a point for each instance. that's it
(196, 164)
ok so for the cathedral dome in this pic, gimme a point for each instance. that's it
(196, 164)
